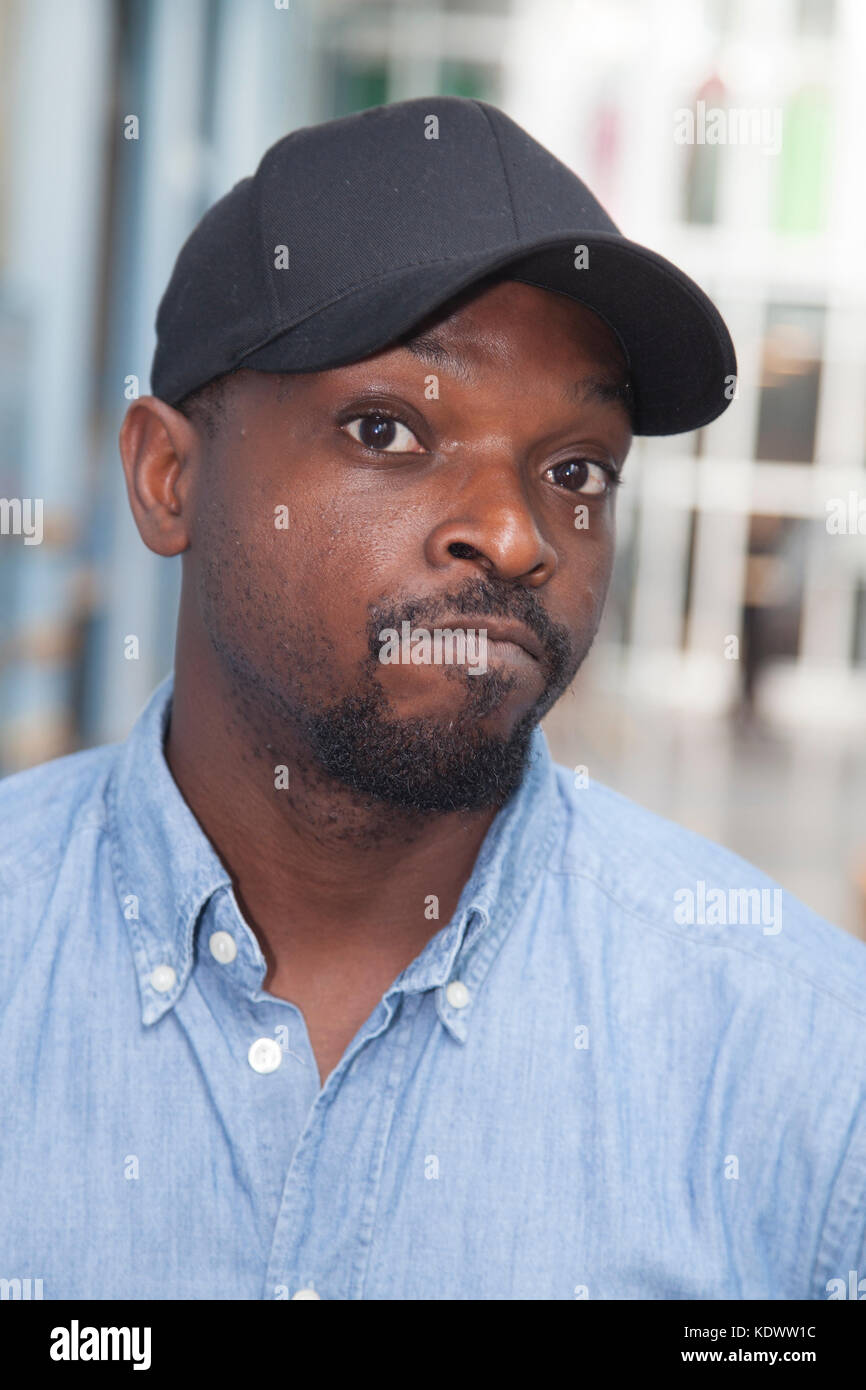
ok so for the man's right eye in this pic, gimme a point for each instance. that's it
(383, 433)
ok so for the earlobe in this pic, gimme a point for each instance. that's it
(158, 449)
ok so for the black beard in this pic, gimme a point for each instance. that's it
(418, 764)
(423, 764)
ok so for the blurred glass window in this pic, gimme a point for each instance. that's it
(468, 80)
(700, 189)
(816, 17)
(355, 84)
(801, 195)
(790, 381)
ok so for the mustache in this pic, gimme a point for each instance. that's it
(479, 598)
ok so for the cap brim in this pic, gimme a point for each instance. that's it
(680, 355)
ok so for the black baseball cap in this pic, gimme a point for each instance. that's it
(353, 231)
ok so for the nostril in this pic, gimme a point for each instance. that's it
(462, 551)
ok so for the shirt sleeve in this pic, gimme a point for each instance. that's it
(842, 1246)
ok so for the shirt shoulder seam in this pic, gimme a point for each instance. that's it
(9, 886)
(656, 927)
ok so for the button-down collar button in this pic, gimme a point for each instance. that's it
(222, 947)
(457, 994)
(265, 1055)
(163, 979)
(306, 1293)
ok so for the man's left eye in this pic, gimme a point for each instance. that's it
(384, 433)
(586, 476)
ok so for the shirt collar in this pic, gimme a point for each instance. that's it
(166, 870)
(165, 867)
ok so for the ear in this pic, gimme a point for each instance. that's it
(160, 450)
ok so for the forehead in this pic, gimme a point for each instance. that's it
(511, 329)
(502, 323)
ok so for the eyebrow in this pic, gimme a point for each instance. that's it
(433, 351)
(601, 389)
(430, 349)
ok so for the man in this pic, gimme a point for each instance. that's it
(329, 983)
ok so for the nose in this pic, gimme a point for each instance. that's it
(490, 524)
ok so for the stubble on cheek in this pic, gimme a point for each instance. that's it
(274, 660)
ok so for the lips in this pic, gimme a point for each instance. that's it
(501, 630)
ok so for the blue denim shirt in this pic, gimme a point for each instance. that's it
(628, 1067)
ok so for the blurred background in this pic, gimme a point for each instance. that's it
(727, 687)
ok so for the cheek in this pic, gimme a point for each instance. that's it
(586, 565)
(320, 538)
(603, 560)
(314, 568)
(589, 547)
(356, 553)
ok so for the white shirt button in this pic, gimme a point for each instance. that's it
(457, 994)
(222, 947)
(163, 979)
(265, 1055)
(306, 1293)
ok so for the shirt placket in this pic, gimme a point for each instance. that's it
(260, 1071)
(329, 1205)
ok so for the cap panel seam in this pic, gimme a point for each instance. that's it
(284, 327)
(508, 188)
